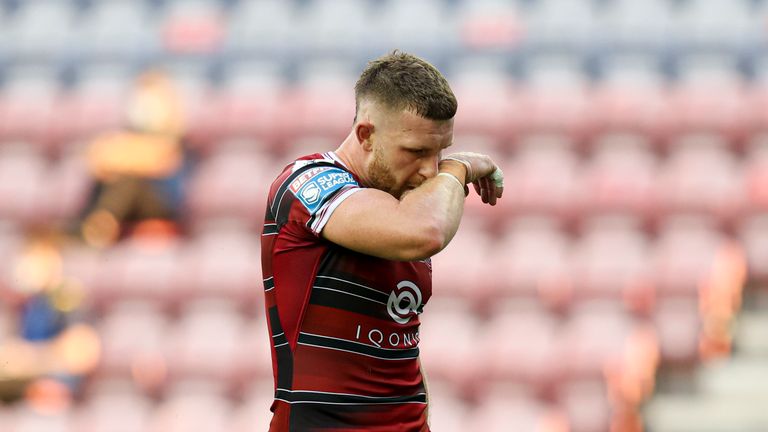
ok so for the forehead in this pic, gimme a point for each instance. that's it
(410, 124)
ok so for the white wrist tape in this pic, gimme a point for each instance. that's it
(452, 177)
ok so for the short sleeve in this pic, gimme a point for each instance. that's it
(321, 193)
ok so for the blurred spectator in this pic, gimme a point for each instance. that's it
(46, 346)
(139, 172)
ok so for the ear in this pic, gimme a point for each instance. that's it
(363, 132)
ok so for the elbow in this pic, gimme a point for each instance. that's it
(430, 240)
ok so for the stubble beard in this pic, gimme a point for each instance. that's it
(380, 176)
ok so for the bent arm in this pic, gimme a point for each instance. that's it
(415, 227)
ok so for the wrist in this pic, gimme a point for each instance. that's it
(455, 168)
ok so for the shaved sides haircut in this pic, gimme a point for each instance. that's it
(401, 81)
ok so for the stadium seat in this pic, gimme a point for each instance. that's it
(448, 410)
(96, 105)
(234, 275)
(22, 184)
(117, 30)
(253, 412)
(139, 269)
(263, 28)
(489, 24)
(540, 179)
(678, 327)
(621, 105)
(204, 343)
(511, 412)
(519, 346)
(530, 263)
(602, 342)
(425, 26)
(629, 25)
(192, 406)
(458, 274)
(716, 25)
(447, 340)
(253, 362)
(553, 25)
(333, 28)
(193, 27)
(27, 102)
(134, 338)
(685, 253)
(586, 405)
(618, 178)
(753, 233)
(110, 400)
(612, 261)
(68, 186)
(756, 176)
(26, 419)
(41, 30)
(217, 189)
(702, 177)
(709, 107)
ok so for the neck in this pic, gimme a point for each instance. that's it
(351, 153)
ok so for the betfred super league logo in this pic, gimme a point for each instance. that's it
(404, 302)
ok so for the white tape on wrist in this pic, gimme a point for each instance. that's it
(452, 177)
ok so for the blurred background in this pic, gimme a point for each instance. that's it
(621, 284)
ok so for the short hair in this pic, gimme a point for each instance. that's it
(401, 81)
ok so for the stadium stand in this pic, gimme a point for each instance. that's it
(620, 284)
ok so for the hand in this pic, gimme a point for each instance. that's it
(483, 173)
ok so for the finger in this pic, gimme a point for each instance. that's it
(484, 189)
(476, 185)
(499, 192)
(491, 192)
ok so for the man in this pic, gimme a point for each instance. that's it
(345, 254)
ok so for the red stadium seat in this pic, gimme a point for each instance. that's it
(519, 346)
(678, 326)
(68, 186)
(629, 108)
(448, 410)
(192, 406)
(600, 341)
(586, 405)
(111, 401)
(22, 184)
(253, 413)
(711, 108)
(685, 254)
(700, 177)
(134, 338)
(756, 176)
(205, 342)
(619, 178)
(530, 262)
(612, 261)
(234, 275)
(139, 269)
(540, 179)
(232, 184)
(498, 413)
(753, 233)
(447, 340)
(27, 111)
(26, 419)
(457, 273)
(554, 109)
(486, 108)
(254, 360)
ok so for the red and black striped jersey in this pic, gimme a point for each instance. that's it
(344, 326)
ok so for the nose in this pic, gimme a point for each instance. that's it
(428, 168)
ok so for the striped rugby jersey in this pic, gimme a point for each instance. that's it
(344, 326)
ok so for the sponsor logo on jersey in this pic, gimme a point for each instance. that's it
(316, 185)
(404, 302)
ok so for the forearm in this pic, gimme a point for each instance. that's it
(438, 204)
